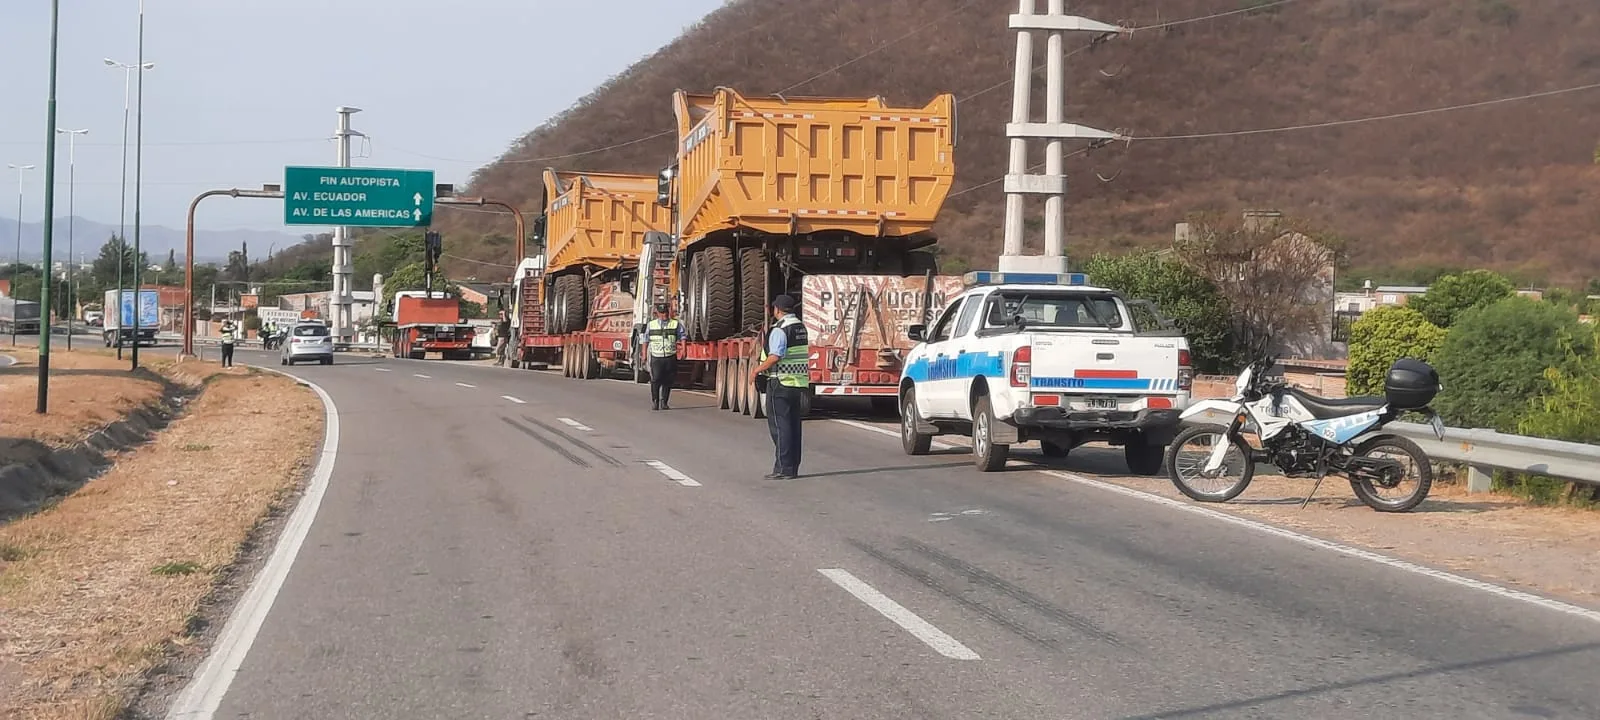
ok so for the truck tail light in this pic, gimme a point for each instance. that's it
(1022, 366)
(1185, 372)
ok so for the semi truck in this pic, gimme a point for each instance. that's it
(428, 322)
(575, 305)
(19, 316)
(829, 200)
(120, 306)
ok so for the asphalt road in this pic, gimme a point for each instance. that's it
(507, 544)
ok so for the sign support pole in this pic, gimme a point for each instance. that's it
(342, 271)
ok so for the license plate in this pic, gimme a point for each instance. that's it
(1102, 403)
(1438, 426)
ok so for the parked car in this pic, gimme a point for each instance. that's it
(307, 341)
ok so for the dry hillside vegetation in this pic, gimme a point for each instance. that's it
(1512, 186)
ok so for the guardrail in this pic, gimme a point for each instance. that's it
(1484, 450)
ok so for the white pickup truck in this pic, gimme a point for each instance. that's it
(1027, 356)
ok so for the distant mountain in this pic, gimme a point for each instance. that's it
(211, 246)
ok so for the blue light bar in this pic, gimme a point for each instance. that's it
(985, 277)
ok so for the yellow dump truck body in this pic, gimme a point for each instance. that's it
(807, 165)
(598, 219)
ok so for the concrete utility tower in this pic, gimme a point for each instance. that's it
(341, 301)
(1055, 24)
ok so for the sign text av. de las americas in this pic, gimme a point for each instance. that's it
(357, 197)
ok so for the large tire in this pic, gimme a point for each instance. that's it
(913, 442)
(724, 390)
(1368, 494)
(571, 302)
(920, 263)
(1143, 457)
(987, 455)
(717, 307)
(752, 288)
(693, 317)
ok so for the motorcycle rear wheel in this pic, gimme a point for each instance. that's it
(1185, 469)
(1420, 465)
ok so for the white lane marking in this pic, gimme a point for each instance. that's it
(891, 433)
(465, 385)
(897, 613)
(420, 375)
(383, 369)
(1340, 548)
(672, 473)
(515, 400)
(575, 424)
(942, 516)
(200, 699)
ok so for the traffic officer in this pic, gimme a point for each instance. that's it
(502, 336)
(785, 369)
(663, 333)
(229, 333)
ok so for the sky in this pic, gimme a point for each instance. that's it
(242, 88)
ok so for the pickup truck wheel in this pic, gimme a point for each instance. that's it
(913, 442)
(986, 454)
(1143, 456)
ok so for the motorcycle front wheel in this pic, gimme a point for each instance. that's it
(1398, 494)
(1187, 458)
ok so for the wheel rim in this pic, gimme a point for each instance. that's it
(1405, 488)
(980, 435)
(908, 423)
(1190, 466)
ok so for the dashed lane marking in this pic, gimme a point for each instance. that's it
(923, 630)
(672, 473)
(575, 424)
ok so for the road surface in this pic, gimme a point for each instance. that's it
(511, 544)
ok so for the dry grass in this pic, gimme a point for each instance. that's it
(93, 590)
(89, 389)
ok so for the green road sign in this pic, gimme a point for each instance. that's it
(357, 196)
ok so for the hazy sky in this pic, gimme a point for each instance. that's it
(243, 87)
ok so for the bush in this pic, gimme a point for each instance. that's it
(1189, 300)
(1382, 336)
(1494, 359)
(1452, 295)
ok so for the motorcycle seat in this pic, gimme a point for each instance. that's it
(1324, 408)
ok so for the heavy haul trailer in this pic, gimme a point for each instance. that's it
(428, 322)
(575, 305)
(829, 200)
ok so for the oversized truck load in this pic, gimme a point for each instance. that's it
(430, 322)
(829, 200)
(19, 316)
(118, 327)
(576, 305)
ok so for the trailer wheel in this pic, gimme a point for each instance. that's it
(740, 384)
(570, 304)
(717, 307)
(752, 288)
(758, 394)
(722, 385)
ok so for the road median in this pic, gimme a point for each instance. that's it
(103, 588)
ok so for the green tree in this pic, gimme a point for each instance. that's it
(1382, 336)
(104, 269)
(1494, 359)
(1193, 303)
(1452, 295)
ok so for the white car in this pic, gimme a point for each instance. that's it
(1048, 358)
(307, 341)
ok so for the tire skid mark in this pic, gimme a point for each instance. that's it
(547, 442)
(553, 430)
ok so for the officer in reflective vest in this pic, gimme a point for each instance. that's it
(785, 369)
(230, 333)
(663, 334)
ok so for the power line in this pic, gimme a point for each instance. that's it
(1214, 16)
(880, 48)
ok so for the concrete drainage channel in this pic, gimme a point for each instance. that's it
(36, 474)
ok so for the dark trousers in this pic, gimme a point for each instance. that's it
(783, 421)
(227, 354)
(663, 370)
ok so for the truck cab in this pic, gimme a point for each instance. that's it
(1020, 357)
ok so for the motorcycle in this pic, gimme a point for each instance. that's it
(1306, 436)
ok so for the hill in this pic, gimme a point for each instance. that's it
(1512, 186)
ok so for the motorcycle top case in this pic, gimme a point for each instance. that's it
(1411, 384)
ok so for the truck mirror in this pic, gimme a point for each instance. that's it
(917, 332)
(664, 188)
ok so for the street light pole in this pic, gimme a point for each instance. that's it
(266, 191)
(138, 196)
(15, 268)
(122, 210)
(72, 210)
(49, 212)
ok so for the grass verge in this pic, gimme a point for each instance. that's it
(97, 589)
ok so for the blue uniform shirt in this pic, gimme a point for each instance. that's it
(777, 341)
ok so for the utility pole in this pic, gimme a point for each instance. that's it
(43, 404)
(1054, 130)
(138, 198)
(72, 217)
(122, 209)
(342, 244)
(17, 267)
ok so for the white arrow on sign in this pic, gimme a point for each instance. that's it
(418, 198)
(417, 215)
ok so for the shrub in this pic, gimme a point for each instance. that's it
(1189, 300)
(1494, 359)
(1452, 295)
(1382, 336)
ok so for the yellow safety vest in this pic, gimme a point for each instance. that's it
(663, 337)
(793, 369)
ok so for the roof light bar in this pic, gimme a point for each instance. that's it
(985, 277)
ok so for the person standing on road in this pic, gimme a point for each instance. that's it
(785, 369)
(502, 335)
(663, 333)
(229, 333)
